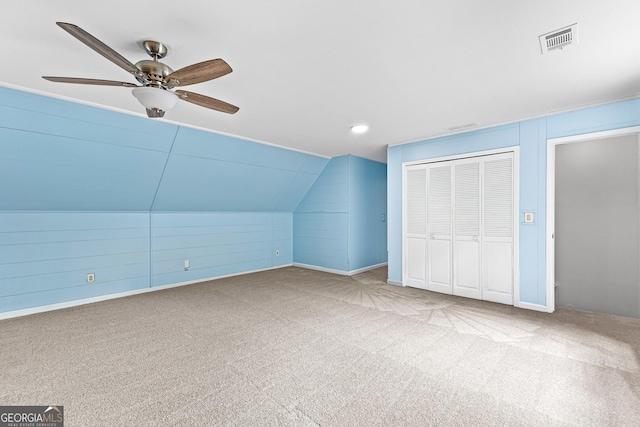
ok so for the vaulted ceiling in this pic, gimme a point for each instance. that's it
(306, 71)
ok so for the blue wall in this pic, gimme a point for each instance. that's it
(211, 172)
(367, 213)
(57, 155)
(218, 244)
(339, 224)
(531, 136)
(321, 220)
(61, 156)
(45, 256)
(85, 190)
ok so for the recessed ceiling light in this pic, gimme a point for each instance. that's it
(359, 128)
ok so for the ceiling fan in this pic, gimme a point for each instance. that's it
(155, 78)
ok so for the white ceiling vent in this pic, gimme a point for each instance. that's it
(558, 39)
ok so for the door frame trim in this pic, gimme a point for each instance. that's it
(515, 149)
(551, 199)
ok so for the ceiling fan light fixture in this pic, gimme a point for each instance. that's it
(155, 98)
(360, 128)
(156, 78)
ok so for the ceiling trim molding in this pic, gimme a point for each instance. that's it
(144, 116)
(522, 119)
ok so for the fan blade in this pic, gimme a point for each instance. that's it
(205, 101)
(82, 81)
(99, 47)
(198, 73)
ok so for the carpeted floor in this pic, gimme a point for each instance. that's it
(296, 347)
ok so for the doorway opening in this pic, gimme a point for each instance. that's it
(593, 222)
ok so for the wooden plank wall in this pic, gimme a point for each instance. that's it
(45, 256)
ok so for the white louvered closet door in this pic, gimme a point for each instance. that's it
(498, 230)
(466, 240)
(439, 228)
(416, 232)
(460, 227)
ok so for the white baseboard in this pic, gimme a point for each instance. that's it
(371, 267)
(75, 303)
(323, 269)
(535, 307)
(340, 272)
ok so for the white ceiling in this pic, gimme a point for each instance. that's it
(306, 70)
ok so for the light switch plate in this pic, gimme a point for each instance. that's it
(529, 217)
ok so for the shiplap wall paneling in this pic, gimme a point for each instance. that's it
(321, 220)
(281, 238)
(367, 213)
(62, 156)
(51, 116)
(330, 191)
(340, 224)
(45, 256)
(216, 244)
(321, 239)
(218, 173)
(192, 183)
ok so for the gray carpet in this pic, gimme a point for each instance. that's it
(295, 347)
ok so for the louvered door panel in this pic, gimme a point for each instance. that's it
(439, 228)
(498, 198)
(466, 241)
(416, 239)
(417, 201)
(497, 237)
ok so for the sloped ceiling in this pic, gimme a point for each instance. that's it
(62, 156)
(208, 172)
(305, 71)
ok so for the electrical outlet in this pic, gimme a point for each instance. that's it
(186, 264)
(91, 277)
(277, 252)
